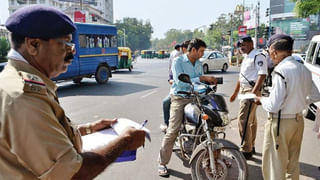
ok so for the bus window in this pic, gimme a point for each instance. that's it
(114, 41)
(311, 51)
(83, 41)
(91, 39)
(99, 42)
(106, 42)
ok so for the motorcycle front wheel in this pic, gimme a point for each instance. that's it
(230, 165)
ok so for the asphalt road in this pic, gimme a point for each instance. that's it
(138, 95)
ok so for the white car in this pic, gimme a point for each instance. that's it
(214, 60)
(299, 57)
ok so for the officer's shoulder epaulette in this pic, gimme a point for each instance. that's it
(33, 83)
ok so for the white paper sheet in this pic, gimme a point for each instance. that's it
(104, 137)
(246, 96)
(98, 139)
(123, 123)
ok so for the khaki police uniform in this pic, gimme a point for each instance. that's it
(253, 65)
(292, 84)
(37, 140)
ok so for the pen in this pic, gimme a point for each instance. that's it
(144, 123)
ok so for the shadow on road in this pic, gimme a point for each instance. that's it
(179, 174)
(124, 71)
(222, 73)
(310, 171)
(94, 89)
(254, 172)
(306, 170)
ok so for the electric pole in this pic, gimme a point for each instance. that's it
(257, 24)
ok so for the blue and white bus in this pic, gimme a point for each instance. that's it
(96, 53)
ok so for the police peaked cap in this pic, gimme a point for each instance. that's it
(278, 37)
(244, 39)
(38, 21)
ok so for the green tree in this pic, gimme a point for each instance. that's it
(4, 47)
(218, 32)
(137, 33)
(305, 8)
(172, 36)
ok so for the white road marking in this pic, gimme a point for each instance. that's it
(146, 95)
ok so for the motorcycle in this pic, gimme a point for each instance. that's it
(201, 139)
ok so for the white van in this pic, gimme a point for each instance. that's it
(312, 62)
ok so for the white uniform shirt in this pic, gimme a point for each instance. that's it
(251, 67)
(290, 94)
(173, 55)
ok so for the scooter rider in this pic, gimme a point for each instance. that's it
(253, 72)
(188, 63)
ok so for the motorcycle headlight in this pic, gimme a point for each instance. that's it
(225, 118)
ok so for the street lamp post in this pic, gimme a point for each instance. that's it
(124, 37)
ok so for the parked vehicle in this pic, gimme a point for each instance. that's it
(214, 60)
(96, 53)
(210, 156)
(312, 62)
(299, 57)
(148, 54)
(125, 58)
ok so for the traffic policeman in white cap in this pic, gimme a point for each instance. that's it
(292, 90)
(37, 140)
(253, 72)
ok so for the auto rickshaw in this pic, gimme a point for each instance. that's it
(160, 54)
(125, 59)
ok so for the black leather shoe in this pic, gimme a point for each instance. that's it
(247, 155)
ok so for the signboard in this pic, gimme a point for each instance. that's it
(249, 19)
(79, 17)
(296, 28)
(242, 30)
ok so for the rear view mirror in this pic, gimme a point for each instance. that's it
(184, 78)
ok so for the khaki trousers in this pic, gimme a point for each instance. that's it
(249, 140)
(176, 117)
(283, 163)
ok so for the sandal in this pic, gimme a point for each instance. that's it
(163, 171)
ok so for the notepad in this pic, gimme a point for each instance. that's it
(104, 137)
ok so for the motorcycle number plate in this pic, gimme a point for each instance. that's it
(219, 129)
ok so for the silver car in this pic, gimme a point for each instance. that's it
(214, 60)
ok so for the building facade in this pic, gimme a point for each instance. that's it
(88, 11)
(284, 20)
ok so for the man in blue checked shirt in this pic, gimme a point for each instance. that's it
(188, 63)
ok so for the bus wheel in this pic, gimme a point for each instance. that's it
(77, 80)
(102, 75)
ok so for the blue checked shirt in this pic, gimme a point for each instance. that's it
(180, 65)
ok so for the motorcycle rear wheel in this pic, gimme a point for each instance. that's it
(230, 165)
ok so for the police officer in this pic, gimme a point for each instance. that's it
(253, 72)
(292, 84)
(37, 140)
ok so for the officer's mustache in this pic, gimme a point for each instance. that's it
(69, 57)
